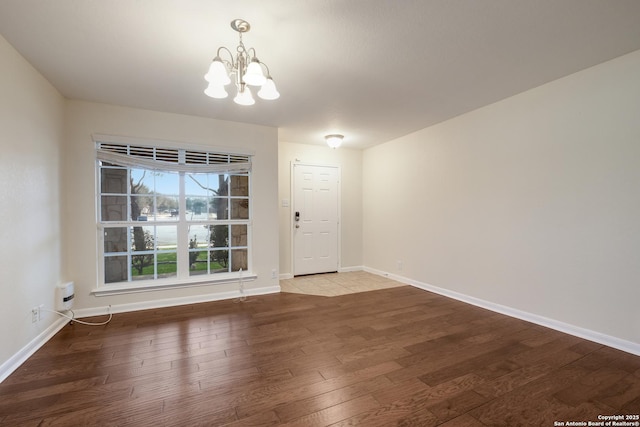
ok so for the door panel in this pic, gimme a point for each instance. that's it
(315, 235)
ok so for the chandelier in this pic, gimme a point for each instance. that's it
(245, 69)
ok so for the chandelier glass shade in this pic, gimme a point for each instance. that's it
(245, 69)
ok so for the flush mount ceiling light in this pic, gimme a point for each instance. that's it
(334, 140)
(245, 69)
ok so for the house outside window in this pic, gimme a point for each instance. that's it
(172, 215)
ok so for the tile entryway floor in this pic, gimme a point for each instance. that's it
(334, 284)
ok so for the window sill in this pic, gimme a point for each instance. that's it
(159, 285)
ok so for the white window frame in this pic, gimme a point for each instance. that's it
(191, 158)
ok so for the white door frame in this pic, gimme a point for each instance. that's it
(292, 205)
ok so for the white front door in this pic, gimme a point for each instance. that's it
(315, 219)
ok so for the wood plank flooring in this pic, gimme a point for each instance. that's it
(397, 356)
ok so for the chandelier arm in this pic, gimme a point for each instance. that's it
(230, 63)
(265, 66)
(250, 56)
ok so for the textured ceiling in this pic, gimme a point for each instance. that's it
(373, 70)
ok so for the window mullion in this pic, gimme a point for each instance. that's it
(129, 272)
(183, 231)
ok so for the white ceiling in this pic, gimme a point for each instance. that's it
(373, 70)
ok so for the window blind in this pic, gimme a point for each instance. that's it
(172, 159)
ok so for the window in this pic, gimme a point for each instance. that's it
(172, 215)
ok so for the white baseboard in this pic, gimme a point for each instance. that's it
(351, 269)
(27, 351)
(285, 276)
(600, 338)
(172, 302)
(23, 354)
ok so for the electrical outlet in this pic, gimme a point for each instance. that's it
(399, 265)
(35, 314)
(274, 274)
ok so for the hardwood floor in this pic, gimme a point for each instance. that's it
(397, 356)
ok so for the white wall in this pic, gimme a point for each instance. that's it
(31, 117)
(79, 217)
(350, 162)
(532, 203)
